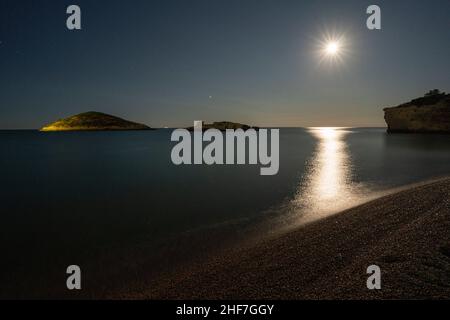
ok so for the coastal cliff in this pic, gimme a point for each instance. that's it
(93, 121)
(428, 114)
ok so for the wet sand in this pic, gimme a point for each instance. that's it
(406, 234)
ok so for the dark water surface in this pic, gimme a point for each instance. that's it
(113, 202)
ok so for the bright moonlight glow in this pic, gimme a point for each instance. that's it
(332, 48)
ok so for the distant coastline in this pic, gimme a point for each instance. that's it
(224, 125)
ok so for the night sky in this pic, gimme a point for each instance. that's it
(168, 63)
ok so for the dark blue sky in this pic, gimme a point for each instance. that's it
(158, 62)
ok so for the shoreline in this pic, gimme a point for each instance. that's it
(404, 232)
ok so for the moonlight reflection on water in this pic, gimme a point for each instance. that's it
(327, 185)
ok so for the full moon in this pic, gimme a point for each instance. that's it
(332, 48)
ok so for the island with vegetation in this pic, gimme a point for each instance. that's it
(428, 114)
(224, 125)
(93, 121)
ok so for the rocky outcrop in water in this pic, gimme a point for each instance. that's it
(224, 125)
(428, 114)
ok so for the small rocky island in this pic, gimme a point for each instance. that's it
(93, 121)
(224, 125)
(428, 114)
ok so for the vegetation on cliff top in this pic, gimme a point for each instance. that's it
(433, 97)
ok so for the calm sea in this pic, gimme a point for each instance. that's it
(114, 204)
